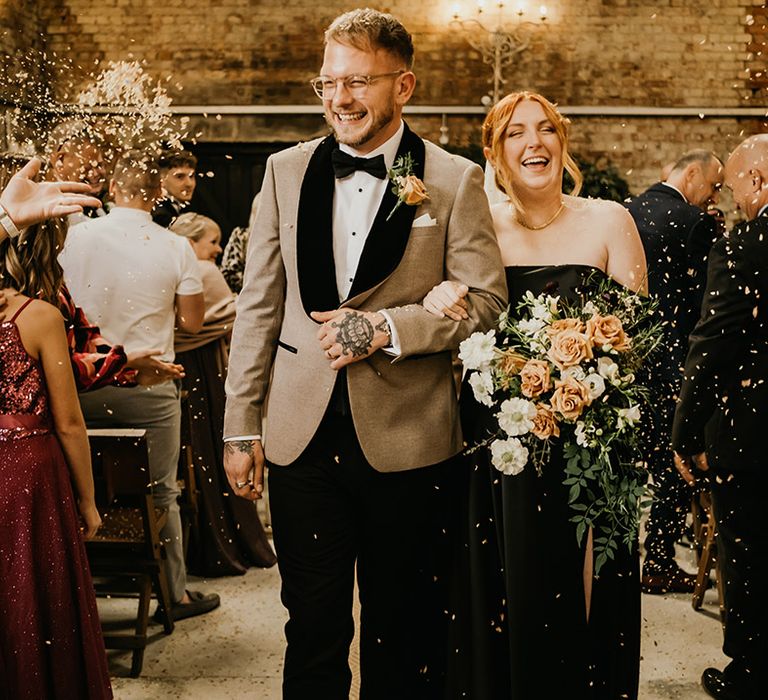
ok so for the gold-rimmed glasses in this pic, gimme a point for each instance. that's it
(325, 86)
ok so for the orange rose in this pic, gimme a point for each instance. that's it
(569, 398)
(412, 190)
(509, 365)
(535, 379)
(607, 330)
(544, 423)
(569, 347)
(565, 324)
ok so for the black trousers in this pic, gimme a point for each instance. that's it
(331, 511)
(742, 546)
(671, 495)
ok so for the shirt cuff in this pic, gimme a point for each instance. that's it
(242, 437)
(393, 348)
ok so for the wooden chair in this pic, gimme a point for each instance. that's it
(127, 552)
(705, 542)
(190, 494)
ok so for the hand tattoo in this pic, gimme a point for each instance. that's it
(242, 446)
(355, 334)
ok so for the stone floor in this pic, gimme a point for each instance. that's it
(235, 653)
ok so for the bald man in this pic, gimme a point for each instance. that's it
(721, 417)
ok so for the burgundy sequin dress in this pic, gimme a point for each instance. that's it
(50, 636)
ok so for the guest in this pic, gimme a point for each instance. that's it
(531, 620)
(50, 637)
(178, 179)
(231, 536)
(362, 441)
(676, 232)
(137, 280)
(233, 259)
(74, 153)
(95, 362)
(721, 416)
(24, 201)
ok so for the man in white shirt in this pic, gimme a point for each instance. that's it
(138, 281)
(362, 430)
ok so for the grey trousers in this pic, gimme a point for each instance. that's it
(157, 409)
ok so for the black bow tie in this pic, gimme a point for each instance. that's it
(345, 164)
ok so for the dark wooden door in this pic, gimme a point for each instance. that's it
(229, 176)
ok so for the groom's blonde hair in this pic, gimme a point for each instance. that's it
(495, 134)
(368, 29)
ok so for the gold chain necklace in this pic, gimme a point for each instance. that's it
(547, 222)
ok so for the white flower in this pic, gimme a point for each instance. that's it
(628, 416)
(543, 307)
(576, 372)
(516, 416)
(509, 456)
(628, 378)
(531, 326)
(581, 434)
(482, 387)
(590, 309)
(608, 369)
(476, 352)
(596, 385)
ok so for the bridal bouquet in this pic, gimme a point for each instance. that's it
(568, 371)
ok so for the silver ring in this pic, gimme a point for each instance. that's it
(241, 484)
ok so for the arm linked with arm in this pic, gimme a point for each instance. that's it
(471, 257)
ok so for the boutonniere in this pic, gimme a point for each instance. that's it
(408, 188)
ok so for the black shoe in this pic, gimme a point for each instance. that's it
(199, 604)
(674, 580)
(718, 686)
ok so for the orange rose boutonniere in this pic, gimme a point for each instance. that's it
(408, 188)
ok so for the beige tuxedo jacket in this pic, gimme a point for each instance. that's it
(404, 409)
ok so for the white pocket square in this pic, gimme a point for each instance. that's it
(424, 220)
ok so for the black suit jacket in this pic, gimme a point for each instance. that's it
(166, 210)
(676, 238)
(725, 387)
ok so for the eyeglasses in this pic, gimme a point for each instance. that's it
(325, 86)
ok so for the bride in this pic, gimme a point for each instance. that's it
(531, 618)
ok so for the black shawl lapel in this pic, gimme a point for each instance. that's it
(387, 240)
(314, 233)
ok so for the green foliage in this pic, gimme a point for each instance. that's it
(599, 183)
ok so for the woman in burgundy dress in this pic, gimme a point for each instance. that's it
(50, 637)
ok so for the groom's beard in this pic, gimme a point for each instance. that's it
(381, 122)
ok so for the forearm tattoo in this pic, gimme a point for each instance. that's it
(243, 446)
(355, 334)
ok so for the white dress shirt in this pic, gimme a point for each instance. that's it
(356, 200)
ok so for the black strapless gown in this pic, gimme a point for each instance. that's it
(520, 630)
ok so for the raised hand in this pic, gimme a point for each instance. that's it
(447, 299)
(28, 202)
(244, 465)
(349, 335)
(151, 370)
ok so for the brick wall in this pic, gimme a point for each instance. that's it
(660, 53)
(651, 52)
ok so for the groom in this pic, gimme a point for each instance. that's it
(346, 382)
